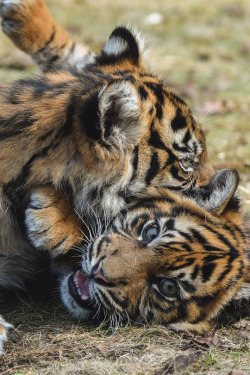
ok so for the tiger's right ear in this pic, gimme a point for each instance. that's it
(124, 44)
(218, 193)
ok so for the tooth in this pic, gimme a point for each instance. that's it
(84, 298)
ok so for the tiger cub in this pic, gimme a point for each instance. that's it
(101, 133)
(184, 261)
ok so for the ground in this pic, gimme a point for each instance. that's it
(201, 50)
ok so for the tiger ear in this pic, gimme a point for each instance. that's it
(123, 44)
(119, 115)
(218, 193)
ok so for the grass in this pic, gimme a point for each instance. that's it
(46, 341)
(202, 50)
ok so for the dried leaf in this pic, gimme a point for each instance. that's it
(103, 349)
(181, 362)
(206, 342)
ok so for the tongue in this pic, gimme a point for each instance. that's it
(81, 283)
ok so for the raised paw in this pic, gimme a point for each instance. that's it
(29, 24)
(4, 327)
(51, 221)
(23, 20)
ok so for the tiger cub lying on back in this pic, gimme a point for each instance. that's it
(101, 133)
(169, 259)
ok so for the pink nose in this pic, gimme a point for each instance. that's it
(98, 273)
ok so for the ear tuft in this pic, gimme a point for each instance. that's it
(220, 190)
(123, 44)
(120, 115)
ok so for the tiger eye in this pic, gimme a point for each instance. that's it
(168, 287)
(150, 232)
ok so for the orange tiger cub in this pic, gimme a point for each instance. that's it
(183, 261)
(100, 134)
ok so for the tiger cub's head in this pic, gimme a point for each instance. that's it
(175, 260)
(135, 115)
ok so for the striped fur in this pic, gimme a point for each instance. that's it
(196, 245)
(99, 135)
(199, 252)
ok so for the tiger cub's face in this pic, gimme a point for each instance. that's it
(167, 260)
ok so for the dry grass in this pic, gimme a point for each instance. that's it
(202, 50)
(45, 341)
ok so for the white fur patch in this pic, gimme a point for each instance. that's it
(10, 2)
(3, 337)
(243, 293)
(115, 46)
(221, 192)
(128, 129)
(139, 38)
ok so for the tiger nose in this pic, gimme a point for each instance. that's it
(97, 272)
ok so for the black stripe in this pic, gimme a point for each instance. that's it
(123, 303)
(186, 246)
(188, 287)
(185, 263)
(204, 301)
(18, 183)
(131, 53)
(175, 173)
(153, 169)
(225, 272)
(144, 216)
(207, 270)
(195, 272)
(179, 148)
(143, 93)
(198, 236)
(59, 243)
(99, 246)
(169, 225)
(158, 92)
(155, 141)
(135, 162)
(179, 122)
(88, 117)
(172, 96)
(9, 133)
(104, 300)
(50, 40)
(187, 137)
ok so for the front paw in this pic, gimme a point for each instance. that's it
(27, 23)
(50, 221)
(4, 327)
(12, 13)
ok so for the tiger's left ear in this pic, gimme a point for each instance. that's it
(218, 193)
(124, 44)
(120, 115)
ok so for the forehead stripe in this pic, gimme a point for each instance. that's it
(179, 122)
(207, 271)
(153, 168)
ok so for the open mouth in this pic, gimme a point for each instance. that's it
(78, 284)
